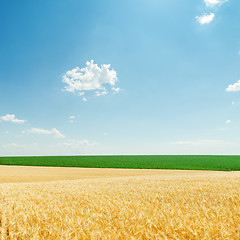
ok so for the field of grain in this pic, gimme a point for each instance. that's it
(135, 205)
(16, 174)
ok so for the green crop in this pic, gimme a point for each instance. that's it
(188, 162)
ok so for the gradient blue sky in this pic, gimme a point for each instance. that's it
(177, 65)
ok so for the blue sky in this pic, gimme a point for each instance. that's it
(171, 86)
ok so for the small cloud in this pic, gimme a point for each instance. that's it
(206, 18)
(228, 121)
(53, 132)
(116, 90)
(6, 132)
(234, 87)
(183, 143)
(105, 134)
(11, 118)
(90, 78)
(213, 3)
(79, 144)
(104, 92)
(11, 146)
(235, 103)
(84, 99)
(197, 142)
(71, 119)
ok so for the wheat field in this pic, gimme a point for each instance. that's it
(135, 205)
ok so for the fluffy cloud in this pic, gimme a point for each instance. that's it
(234, 87)
(53, 132)
(212, 3)
(228, 121)
(11, 118)
(206, 18)
(78, 144)
(90, 78)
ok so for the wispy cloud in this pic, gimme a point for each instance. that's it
(206, 18)
(71, 118)
(99, 93)
(234, 87)
(11, 118)
(116, 90)
(228, 121)
(78, 144)
(90, 78)
(54, 132)
(236, 103)
(13, 145)
(197, 142)
(213, 3)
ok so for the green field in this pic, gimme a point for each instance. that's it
(188, 162)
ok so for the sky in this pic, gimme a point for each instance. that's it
(119, 77)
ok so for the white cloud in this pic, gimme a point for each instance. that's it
(212, 3)
(236, 103)
(53, 132)
(71, 118)
(11, 146)
(206, 18)
(116, 90)
(228, 121)
(90, 78)
(104, 92)
(11, 118)
(84, 99)
(18, 149)
(183, 143)
(234, 87)
(197, 142)
(78, 144)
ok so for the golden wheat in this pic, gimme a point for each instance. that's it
(11, 174)
(173, 205)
